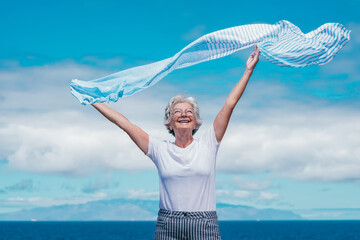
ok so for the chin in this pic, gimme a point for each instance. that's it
(185, 126)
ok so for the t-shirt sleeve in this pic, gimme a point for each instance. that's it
(153, 149)
(209, 138)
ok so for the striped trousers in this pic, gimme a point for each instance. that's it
(177, 225)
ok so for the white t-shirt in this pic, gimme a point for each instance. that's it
(187, 175)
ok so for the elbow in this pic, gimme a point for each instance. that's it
(230, 105)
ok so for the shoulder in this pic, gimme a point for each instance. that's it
(209, 137)
(155, 144)
(153, 141)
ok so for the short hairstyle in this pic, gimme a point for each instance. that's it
(182, 99)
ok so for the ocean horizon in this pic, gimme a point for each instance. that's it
(136, 230)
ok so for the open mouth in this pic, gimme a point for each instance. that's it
(184, 121)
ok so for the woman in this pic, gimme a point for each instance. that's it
(186, 167)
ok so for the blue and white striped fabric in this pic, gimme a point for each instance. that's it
(282, 43)
(187, 225)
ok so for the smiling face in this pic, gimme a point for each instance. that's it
(183, 118)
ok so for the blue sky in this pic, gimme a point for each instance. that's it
(293, 142)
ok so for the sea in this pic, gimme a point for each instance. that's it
(137, 230)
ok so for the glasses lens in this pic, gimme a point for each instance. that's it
(177, 112)
(188, 112)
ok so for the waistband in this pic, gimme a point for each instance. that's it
(181, 214)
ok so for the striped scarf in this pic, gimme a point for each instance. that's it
(282, 43)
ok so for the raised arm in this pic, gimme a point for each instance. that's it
(222, 119)
(140, 138)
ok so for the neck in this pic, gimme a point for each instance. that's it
(183, 140)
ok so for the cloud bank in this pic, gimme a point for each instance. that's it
(302, 139)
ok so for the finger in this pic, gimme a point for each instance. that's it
(256, 48)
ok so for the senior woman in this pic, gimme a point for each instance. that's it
(186, 167)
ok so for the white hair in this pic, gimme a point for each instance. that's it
(182, 99)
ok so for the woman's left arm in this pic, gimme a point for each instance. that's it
(222, 119)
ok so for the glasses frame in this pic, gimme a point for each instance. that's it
(179, 112)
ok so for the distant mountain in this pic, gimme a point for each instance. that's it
(125, 210)
(238, 212)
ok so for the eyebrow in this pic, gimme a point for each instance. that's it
(179, 109)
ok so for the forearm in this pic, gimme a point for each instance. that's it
(238, 90)
(111, 114)
(140, 138)
(222, 119)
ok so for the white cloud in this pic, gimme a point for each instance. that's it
(142, 194)
(241, 196)
(73, 150)
(47, 131)
(47, 202)
(268, 196)
(60, 74)
(321, 145)
(78, 142)
(43, 135)
(250, 184)
(42, 88)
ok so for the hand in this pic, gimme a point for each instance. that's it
(253, 59)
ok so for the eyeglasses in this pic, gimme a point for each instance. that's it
(188, 112)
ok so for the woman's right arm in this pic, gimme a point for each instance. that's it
(140, 138)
